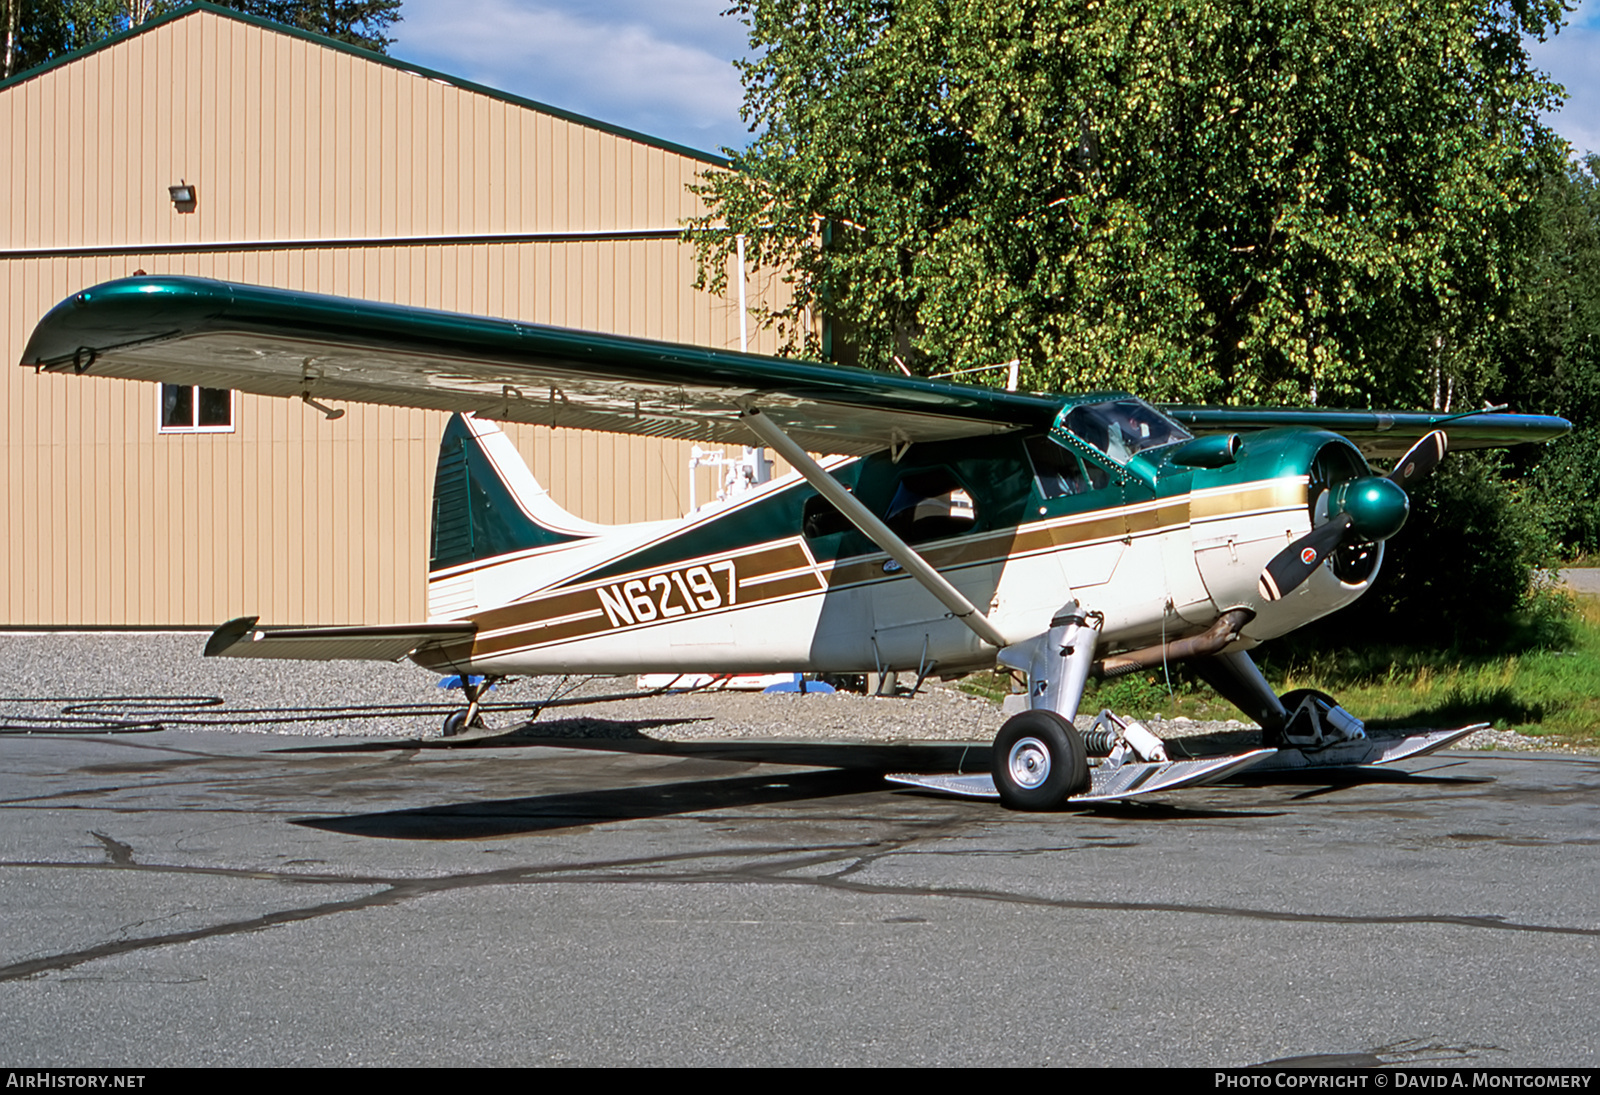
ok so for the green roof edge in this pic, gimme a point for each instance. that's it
(369, 55)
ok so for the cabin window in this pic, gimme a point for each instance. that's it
(1061, 474)
(930, 505)
(191, 409)
(820, 518)
(926, 505)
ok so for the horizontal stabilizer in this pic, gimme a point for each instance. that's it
(241, 638)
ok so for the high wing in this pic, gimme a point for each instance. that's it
(1382, 434)
(183, 330)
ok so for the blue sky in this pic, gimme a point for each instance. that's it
(665, 67)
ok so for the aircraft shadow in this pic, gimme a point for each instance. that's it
(1334, 778)
(548, 813)
(848, 768)
(606, 736)
(528, 734)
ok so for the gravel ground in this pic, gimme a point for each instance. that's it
(1584, 581)
(41, 673)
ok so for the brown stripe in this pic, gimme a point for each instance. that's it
(1169, 516)
(787, 587)
(551, 607)
(522, 623)
(1099, 528)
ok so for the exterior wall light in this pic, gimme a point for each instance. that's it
(183, 196)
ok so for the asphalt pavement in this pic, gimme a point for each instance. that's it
(211, 898)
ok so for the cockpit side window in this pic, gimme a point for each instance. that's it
(926, 505)
(1123, 428)
(820, 518)
(1059, 472)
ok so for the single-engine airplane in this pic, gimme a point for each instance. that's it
(948, 529)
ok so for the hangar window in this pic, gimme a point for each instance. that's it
(186, 409)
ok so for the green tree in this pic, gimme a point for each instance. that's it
(37, 31)
(363, 23)
(1543, 355)
(1546, 352)
(1248, 200)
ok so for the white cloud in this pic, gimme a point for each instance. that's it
(664, 69)
(1572, 58)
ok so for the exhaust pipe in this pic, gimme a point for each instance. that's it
(1217, 637)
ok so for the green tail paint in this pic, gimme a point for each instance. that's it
(476, 513)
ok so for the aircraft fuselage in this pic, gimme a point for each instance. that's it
(778, 580)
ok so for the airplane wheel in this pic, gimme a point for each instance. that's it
(454, 723)
(1037, 761)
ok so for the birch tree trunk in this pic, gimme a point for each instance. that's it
(11, 35)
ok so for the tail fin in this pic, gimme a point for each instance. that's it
(486, 502)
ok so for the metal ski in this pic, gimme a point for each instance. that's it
(1108, 782)
(1364, 751)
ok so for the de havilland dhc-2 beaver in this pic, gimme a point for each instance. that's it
(948, 528)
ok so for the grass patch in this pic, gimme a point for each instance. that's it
(990, 685)
(1549, 685)
(1544, 681)
(1137, 695)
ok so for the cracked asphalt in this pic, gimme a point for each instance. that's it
(208, 898)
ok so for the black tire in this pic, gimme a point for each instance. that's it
(454, 723)
(1038, 760)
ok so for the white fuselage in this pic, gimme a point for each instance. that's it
(1157, 570)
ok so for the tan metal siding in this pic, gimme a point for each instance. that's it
(288, 139)
(291, 516)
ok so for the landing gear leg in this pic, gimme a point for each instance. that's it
(1038, 759)
(1302, 719)
(458, 722)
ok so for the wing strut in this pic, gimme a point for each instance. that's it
(874, 529)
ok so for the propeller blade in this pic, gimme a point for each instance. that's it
(1382, 516)
(1295, 563)
(1420, 460)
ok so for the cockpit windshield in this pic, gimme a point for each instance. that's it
(1122, 428)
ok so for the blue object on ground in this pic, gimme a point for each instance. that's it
(799, 684)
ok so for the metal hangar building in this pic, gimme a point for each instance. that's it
(210, 143)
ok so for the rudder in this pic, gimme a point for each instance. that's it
(486, 503)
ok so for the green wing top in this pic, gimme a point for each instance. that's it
(182, 330)
(1382, 434)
